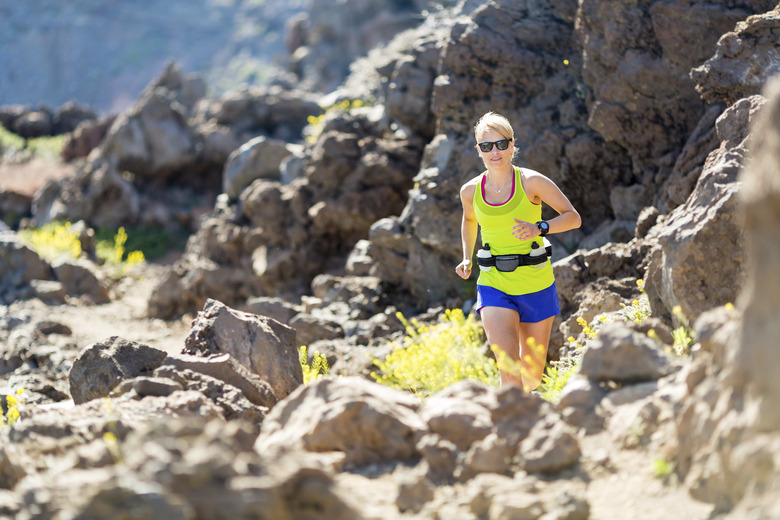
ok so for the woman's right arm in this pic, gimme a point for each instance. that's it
(468, 229)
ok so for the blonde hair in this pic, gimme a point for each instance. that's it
(495, 121)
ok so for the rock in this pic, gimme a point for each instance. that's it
(96, 193)
(755, 366)
(455, 417)
(414, 491)
(217, 263)
(225, 368)
(279, 113)
(487, 455)
(734, 72)
(320, 60)
(259, 158)
(690, 163)
(632, 424)
(69, 116)
(706, 227)
(263, 345)
(439, 456)
(628, 200)
(49, 292)
(85, 137)
(359, 261)
(622, 355)
(650, 82)
(126, 496)
(13, 207)
(309, 328)
(578, 402)
(11, 471)
(266, 203)
(551, 446)
(102, 366)
(34, 123)
(19, 266)
(368, 422)
(276, 308)
(81, 277)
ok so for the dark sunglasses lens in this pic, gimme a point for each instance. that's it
(502, 145)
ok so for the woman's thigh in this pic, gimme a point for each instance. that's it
(502, 328)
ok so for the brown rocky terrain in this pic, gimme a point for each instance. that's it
(176, 392)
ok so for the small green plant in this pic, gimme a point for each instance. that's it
(57, 239)
(639, 308)
(53, 240)
(318, 368)
(110, 437)
(683, 335)
(153, 243)
(662, 468)
(558, 372)
(431, 357)
(10, 415)
(317, 123)
(114, 251)
(41, 147)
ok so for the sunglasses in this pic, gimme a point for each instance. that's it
(502, 145)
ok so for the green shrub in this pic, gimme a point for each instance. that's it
(42, 147)
(56, 239)
(53, 240)
(431, 357)
(10, 412)
(318, 368)
(153, 243)
(317, 123)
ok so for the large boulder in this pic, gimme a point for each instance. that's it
(263, 345)
(623, 355)
(698, 263)
(19, 266)
(259, 158)
(643, 98)
(82, 278)
(367, 422)
(97, 193)
(104, 365)
(729, 423)
(745, 58)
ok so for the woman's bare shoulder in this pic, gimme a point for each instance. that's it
(530, 174)
(471, 184)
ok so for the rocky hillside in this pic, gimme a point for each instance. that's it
(327, 213)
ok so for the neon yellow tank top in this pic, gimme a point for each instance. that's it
(496, 221)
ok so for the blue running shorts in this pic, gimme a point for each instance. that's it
(531, 308)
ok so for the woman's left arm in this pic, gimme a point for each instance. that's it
(540, 189)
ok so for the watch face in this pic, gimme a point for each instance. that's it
(544, 226)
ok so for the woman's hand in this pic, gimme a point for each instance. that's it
(464, 269)
(523, 230)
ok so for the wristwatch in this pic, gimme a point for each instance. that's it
(544, 227)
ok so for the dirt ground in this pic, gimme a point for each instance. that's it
(29, 176)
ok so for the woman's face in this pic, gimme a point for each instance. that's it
(491, 138)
